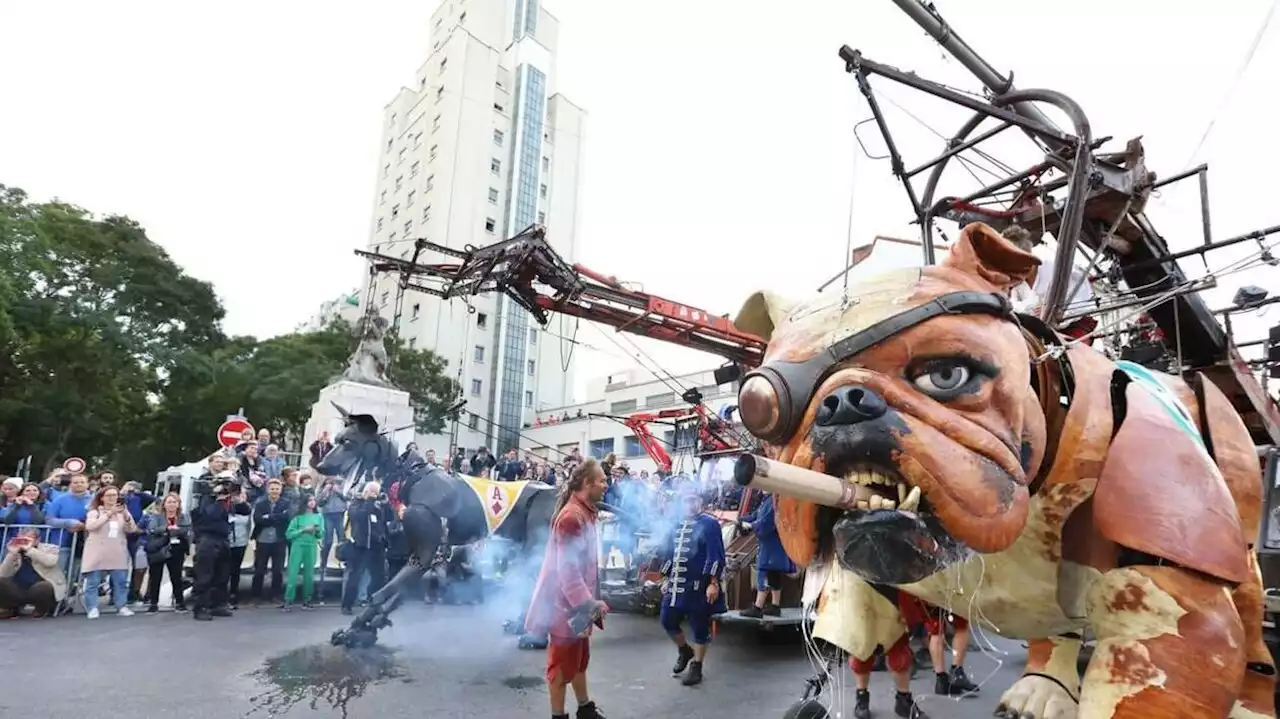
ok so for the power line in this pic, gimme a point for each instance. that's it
(537, 444)
(673, 384)
(1235, 82)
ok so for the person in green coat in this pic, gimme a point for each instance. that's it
(304, 534)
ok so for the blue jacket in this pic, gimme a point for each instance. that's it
(694, 554)
(23, 514)
(137, 502)
(63, 512)
(771, 556)
(273, 467)
(636, 501)
(19, 514)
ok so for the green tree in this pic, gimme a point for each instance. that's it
(109, 351)
(94, 315)
(290, 370)
(423, 374)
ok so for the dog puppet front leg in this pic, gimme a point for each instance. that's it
(1050, 684)
(1170, 644)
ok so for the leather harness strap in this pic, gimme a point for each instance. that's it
(1052, 383)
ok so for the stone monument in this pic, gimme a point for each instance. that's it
(363, 388)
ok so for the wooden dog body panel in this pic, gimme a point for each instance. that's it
(1161, 493)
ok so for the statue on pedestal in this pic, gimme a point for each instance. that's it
(369, 363)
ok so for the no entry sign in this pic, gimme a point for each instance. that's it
(231, 430)
(74, 465)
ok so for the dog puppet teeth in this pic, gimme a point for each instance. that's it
(878, 502)
(876, 490)
(870, 478)
(912, 501)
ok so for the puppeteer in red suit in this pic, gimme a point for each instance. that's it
(565, 602)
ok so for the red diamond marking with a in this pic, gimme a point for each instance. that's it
(496, 507)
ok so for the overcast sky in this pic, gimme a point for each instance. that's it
(245, 136)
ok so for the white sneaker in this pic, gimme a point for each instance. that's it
(125, 612)
(92, 614)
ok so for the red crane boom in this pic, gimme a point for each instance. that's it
(533, 275)
(529, 271)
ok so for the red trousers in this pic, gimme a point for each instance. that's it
(914, 613)
(567, 658)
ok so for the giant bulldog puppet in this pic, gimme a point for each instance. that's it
(439, 509)
(1035, 489)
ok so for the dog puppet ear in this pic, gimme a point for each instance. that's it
(762, 313)
(983, 252)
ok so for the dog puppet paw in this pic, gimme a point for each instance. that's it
(1037, 697)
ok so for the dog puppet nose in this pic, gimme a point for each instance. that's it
(850, 405)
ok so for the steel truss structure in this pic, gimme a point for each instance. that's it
(1092, 202)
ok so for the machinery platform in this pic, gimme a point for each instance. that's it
(792, 617)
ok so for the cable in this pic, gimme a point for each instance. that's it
(1240, 265)
(537, 445)
(1235, 81)
(848, 240)
(673, 385)
(981, 153)
(565, 360)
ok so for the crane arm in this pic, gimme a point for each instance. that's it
(533, 275)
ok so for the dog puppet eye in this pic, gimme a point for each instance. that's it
(945, 379)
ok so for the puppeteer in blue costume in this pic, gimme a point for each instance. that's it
(772, 562)
(694, 566)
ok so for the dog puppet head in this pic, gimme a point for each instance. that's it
(916, 389)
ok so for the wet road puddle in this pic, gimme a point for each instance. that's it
(522, 683)
(323, 676)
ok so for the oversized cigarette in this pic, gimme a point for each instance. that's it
(752, 470)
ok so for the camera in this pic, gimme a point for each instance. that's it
(220, 486)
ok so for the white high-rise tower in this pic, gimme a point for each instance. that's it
(482, 147)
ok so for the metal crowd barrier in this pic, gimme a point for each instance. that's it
(68, 557)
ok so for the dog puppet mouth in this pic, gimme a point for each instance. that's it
(873, 521)
(890, 535)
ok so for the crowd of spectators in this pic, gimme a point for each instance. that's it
(96, 537)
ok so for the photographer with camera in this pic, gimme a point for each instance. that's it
(211, 524)
(29, 575)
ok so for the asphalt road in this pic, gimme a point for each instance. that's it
(438, 661)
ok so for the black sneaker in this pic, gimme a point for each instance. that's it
(202, 615)
(906, 707)
(862, 705)
(694, 675)
(220, 612)
(960, 683)
(180, 607)
(942, 684)
(152, 609)
(233, 605)
(752, 612)
(772, 610)
(589, 711)
(683, 656)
